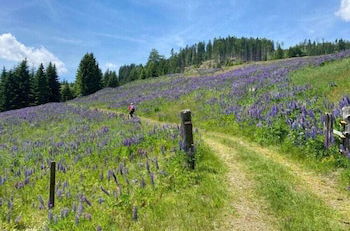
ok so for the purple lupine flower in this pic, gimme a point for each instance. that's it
(87, 216)
(101, 200)
(2, 180)
(80, 209)
(50, 215)
(19, 185)
(109, 174)
(76, 220)
(59, 193)
(26, 180)
(64, 213)
(18, 219)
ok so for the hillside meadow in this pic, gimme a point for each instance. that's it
(259, 150)
(112, 173)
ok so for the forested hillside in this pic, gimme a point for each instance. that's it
(41, 85)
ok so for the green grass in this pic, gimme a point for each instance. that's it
(295, 208)
(320, 78)
(181, 199)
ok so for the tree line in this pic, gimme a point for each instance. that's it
(312, 48)
(20, 87)
(223, 51)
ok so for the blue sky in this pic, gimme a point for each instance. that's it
(122, 32)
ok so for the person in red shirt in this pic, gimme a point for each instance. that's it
(131, 110)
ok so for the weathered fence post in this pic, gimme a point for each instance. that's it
(346, 127)
(52, 184)
(328, 129)
(187, 136)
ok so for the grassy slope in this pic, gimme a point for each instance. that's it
(304, 206)
(179, 200)
(295, 207)
(321, 79)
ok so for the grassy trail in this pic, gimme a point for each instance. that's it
(324, 187)
(271, 192)
(245, 211)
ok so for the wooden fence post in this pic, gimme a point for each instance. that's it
(187, 136)
(328, 129)
(346, 127)
(52, 184)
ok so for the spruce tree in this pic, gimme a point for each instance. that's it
(54, 94)
(41, 86)
(2, 90)
(279, 52)
(89, 75)
(23, 92)
(110, 79)
(67, 92)
(9, 91)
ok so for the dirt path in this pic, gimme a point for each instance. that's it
(325, 187)
(245, 211)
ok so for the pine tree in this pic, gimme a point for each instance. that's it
(2, 90)
(41, 86)
(110, 79)
(279, 52)
(89, 75)
(23, 92)
(54, 94)
(9, 91)
(66, 92)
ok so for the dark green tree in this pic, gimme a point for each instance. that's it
(279, 54)
(2, 90)
(41, 86)
(54, 94)
(9, 91)
(89, 75)
(66, 92)
(110, 79)
(154, 56)
(23, 93)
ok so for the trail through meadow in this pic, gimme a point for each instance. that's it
(247, 209)
(323, 186)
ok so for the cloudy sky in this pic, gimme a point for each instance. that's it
(124, 31)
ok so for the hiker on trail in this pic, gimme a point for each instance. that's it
(131, 110)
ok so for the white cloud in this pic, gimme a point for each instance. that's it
(344, 10)
(13, 50)
(111, 66)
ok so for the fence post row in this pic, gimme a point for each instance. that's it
(344, 135)
(52, 184)
(187, 136)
